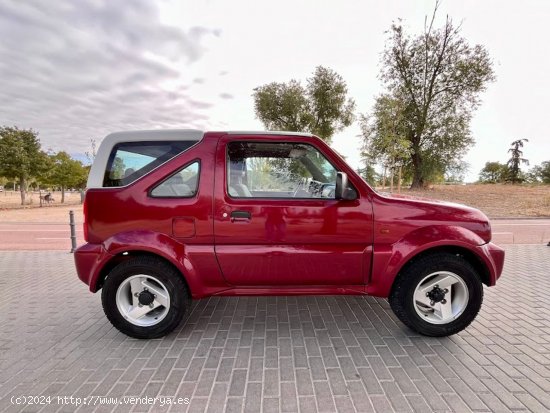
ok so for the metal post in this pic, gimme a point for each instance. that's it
(73, 231)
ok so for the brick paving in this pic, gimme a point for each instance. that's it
(274, 354)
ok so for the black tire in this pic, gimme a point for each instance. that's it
(402, 302)
(180, 300)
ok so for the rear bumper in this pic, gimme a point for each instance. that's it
(89, 260)
(494, 256)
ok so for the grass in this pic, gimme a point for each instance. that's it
(495, 200)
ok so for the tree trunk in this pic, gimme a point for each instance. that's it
(62, 194)
(418, 178)
(22, 189)
(399, 180)
(384, 179)
(391, 179)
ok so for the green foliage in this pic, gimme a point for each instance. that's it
(21, 156)
(384, 133)
(437, 78)
(322, 107)
(493, 172)
(516, 159)
(540, 173)
(118, 168)
(369, 174)
(66, 173)
(456, 172)
(544, 173)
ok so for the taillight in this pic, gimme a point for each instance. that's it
(85, 224)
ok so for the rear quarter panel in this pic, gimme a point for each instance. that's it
(180, 230)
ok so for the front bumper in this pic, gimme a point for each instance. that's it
(494, 257)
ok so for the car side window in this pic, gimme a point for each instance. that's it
(182, 184)
(278, 170)
(129, 161)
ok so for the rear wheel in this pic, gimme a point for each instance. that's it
(144, 297)
(437, 295)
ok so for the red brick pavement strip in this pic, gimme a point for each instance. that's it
(521, 231)
(32, 236)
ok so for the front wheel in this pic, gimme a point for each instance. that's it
(145, 297)
(437, 295)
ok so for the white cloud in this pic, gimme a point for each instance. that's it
(75, 70)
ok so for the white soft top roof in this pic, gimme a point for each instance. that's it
(97, 172)
(271, 132)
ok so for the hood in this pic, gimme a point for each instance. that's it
(420, 211)
(424, 200)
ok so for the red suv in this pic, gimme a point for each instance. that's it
(177, 215)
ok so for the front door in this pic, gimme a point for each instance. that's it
(276, 221)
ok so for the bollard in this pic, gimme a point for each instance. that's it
(73, 231)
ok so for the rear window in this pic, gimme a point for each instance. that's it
(131, 160)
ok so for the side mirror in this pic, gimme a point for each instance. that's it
(343, 190)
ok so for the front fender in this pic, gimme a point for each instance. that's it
(389, 259)
(196, 263)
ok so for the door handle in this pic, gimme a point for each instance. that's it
(240, 216)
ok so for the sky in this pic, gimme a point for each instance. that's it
(78, 70)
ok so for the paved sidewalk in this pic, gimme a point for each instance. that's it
(521, 231)
(274, 354)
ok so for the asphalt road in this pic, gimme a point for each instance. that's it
(48, 236)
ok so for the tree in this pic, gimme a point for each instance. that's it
(542, 172)
(438, 77)
(456, 172)
(493, 172)
(516, 160)
(368, 173)
(91, 154)
(66, 172)
(21, 156)
(321, 108)
(384, 135)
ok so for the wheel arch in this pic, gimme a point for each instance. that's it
(129, 254)
(196, 263)
(420, 312)
(472, 258)
(390, 261)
